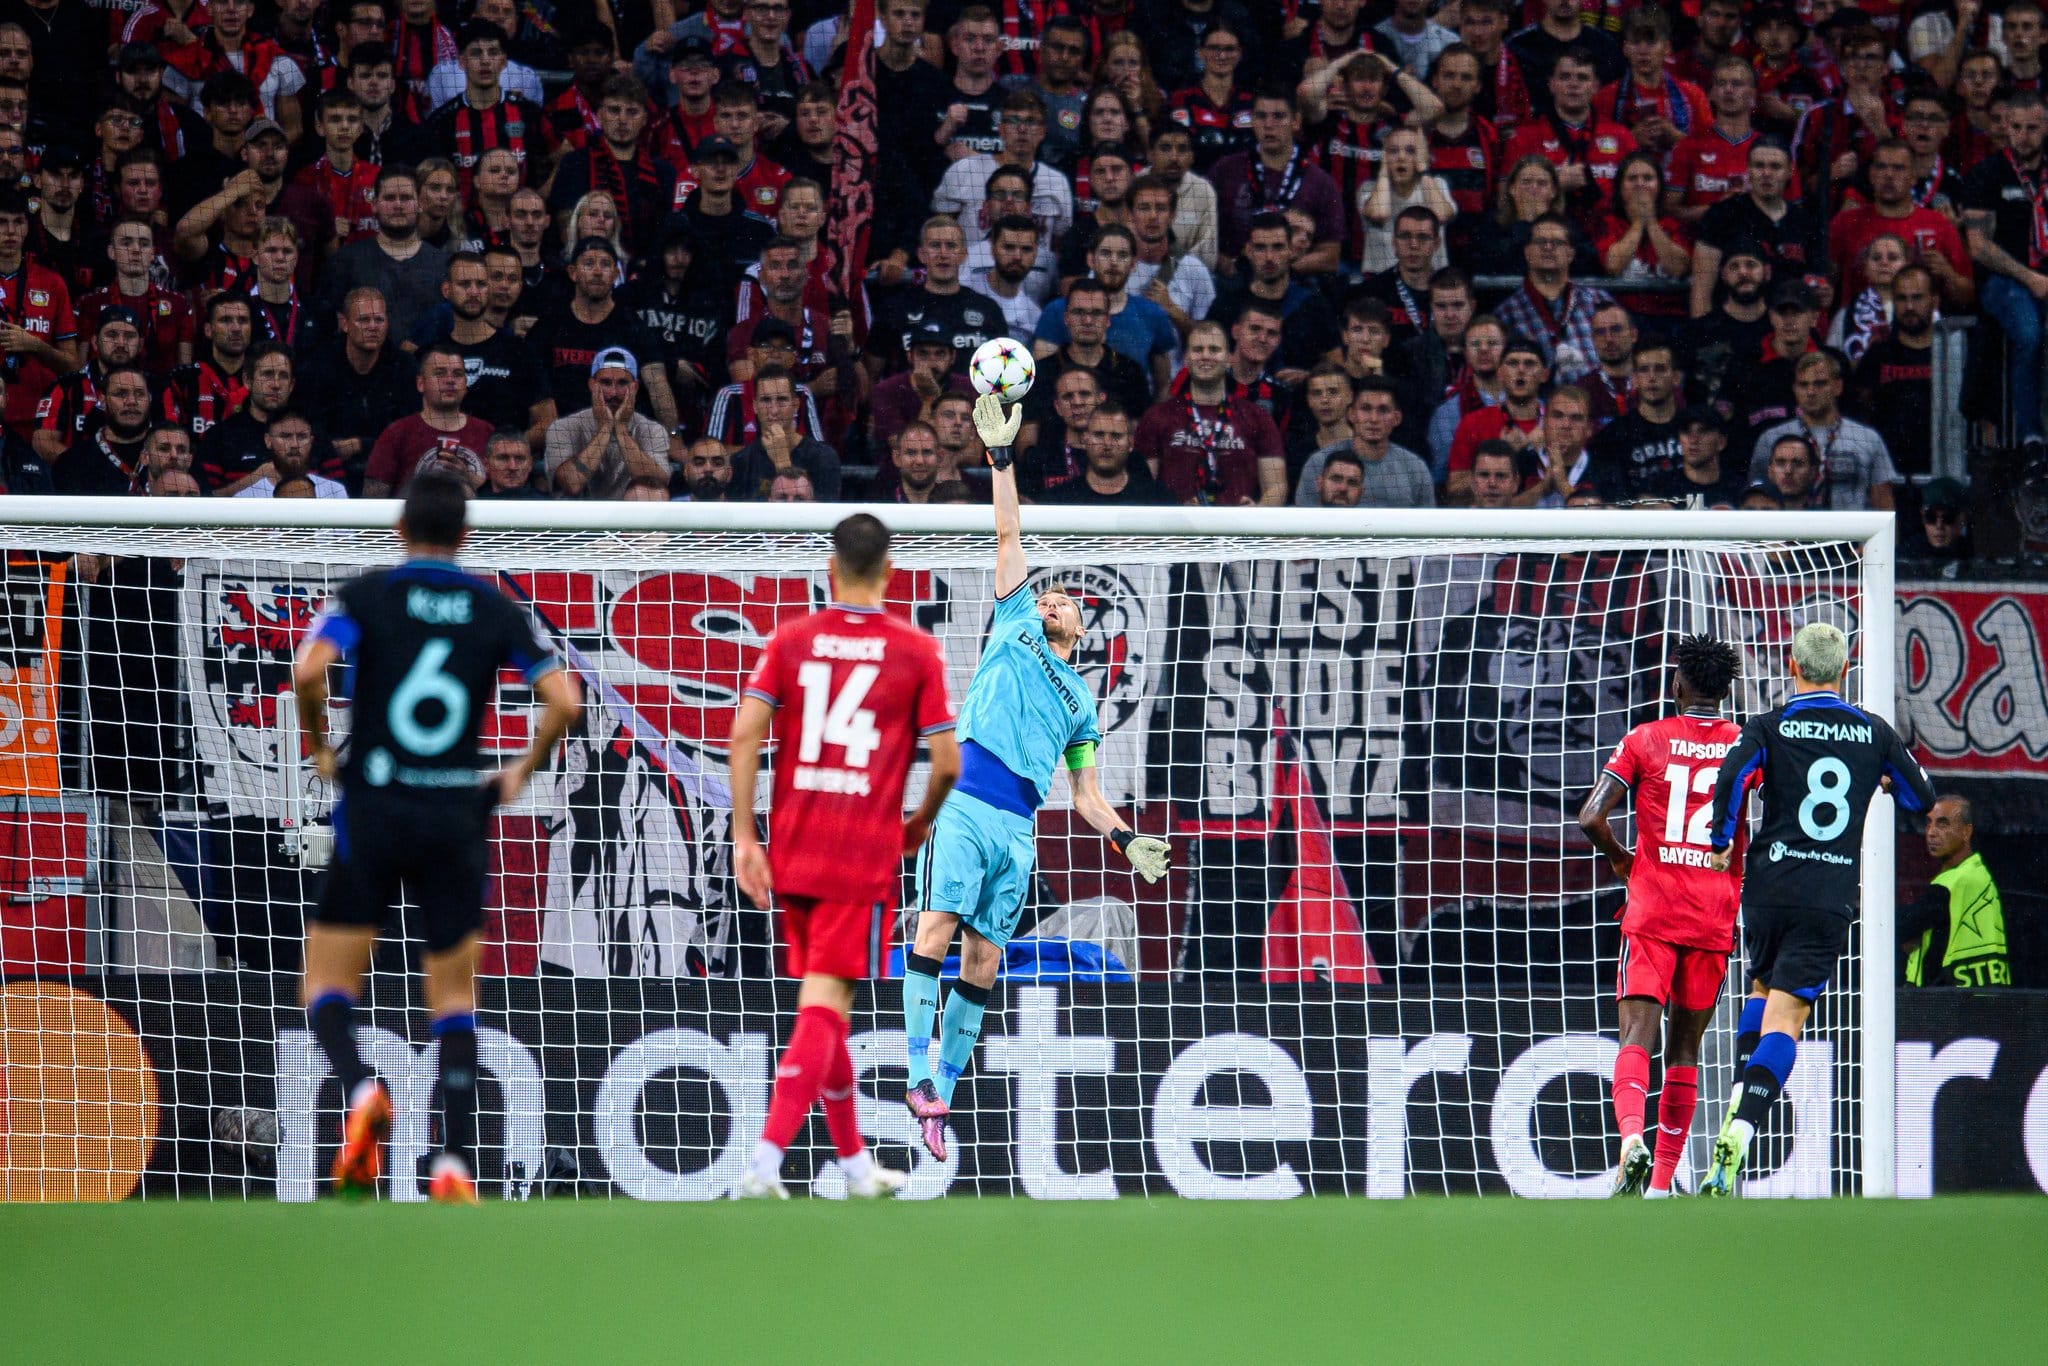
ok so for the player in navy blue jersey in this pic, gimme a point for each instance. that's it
(423, 645)
(1820, 760)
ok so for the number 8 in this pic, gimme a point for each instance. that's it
(1834, 792)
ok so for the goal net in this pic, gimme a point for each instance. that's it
(1382, 965)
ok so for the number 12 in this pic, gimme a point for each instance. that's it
(1677, 829)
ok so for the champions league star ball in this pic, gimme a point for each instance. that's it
(1002, 367)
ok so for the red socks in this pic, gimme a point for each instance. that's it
(837, 1096)
(815, 1066)
(801, 1073)
(1675, 1105)
(1631, 1090)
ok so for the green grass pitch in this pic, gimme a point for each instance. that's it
(1010, 1280)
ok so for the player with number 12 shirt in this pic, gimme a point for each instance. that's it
(1679, 924)
(857, 688)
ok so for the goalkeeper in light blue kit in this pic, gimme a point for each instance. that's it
(1027, 711)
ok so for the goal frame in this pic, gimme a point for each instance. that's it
(70, 522)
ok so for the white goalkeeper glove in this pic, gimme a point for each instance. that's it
(996, 431)
(1149, 856)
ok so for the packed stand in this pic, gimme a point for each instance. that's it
(1492, 253)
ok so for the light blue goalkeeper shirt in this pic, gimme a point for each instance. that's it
(1025, 707)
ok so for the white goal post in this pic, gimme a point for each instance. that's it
(1383, 964)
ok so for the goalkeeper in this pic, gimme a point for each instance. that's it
(1027, 711)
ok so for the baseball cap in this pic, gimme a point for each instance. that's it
(121, 313)
(594, 244)
(1746, 246)
(258, 127)
(772, 329)
(932, 334)
(61, 156)
(1777, 14)
(1703, 415)
(689, 49)
(1944, 493)
(615, 358)
(1762, 488)
(715, 148)
(1794, 295)
(137, 56)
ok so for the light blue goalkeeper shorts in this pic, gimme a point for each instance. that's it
(977, 865)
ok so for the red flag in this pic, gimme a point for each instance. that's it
(853, 176)
(1313, 933)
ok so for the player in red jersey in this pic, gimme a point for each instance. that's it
(864, 686)
(1680, 921)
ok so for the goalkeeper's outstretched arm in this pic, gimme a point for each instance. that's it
(1148, 855)
(996, 433)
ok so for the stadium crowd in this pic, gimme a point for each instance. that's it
(1496, 253)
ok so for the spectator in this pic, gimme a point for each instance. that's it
(1792, 472)
(719, 220)
(972, 317)
(1563, 458)
(1549, 311)
(1703, 471)
(917, 462)
(1216, 110)
(1480, 386)
(72, 401)
(782, 291)
(1404, 286)
(1387, 476)
(440, 436)
(1495, 476)
(1086, 319)
(1610, 384)
(781, 443)
(161, 314)
(1953, 934)
(2001, 210)
(1207, 445)
(791, 484)
(1195, 214)
(770, 345)
(507, 387)
(1726, 346)
(1110, 478)
(1504, 98)
(1838, 137)
(1517, 420)
(266, 151)
(1021, 134)
(276, 309)
(1867, 316)
(1944, 531)
(590, 322)
(1895, 377)
(405, 270)
(1711, 161)
(1658, 109)
(288, 441)
(1788, 237)
(1055, 452)
(1104, 176)
(1893, 209)
(642, 489)
(707, 472)
(1341, 481)
(1400, 191)
(1016, 275)
(1138, 328)
(1586, 149)
(1762, 496)
(1062, 85)
(1427, 365)
(1309, 327)
(229, 45)
(1255, 356)
(508, 468)
(1164, 273)
(353, 385)
(107, 456)
(621, 162)
(1638, 451)
(57, 235)
(1635, 241)
(960, 446)
(687, 304)
(1855, 469)
(208, 390)
(233, 452)
(486, 114)
(1273, 176)
(344, 182)
(38, 333)
(906, 398)
(595, 453)
(22, 470)
(1322, 419)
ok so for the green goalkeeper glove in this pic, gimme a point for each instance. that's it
(1149, 856)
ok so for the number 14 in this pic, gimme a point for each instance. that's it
(1677, 829)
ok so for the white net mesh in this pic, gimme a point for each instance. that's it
(1383, 963)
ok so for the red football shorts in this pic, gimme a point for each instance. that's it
(1671, 974)
(837, 938)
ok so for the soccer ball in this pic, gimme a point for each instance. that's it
(1002, 367)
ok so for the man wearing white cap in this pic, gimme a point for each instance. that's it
(596, 453)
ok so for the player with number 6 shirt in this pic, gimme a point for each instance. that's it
(1679, 923)
(1821, 760)
(857, 689)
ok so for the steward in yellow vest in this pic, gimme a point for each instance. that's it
(1954, 935)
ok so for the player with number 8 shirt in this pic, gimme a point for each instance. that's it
(1679, 923)
(857, 688)
(1820, 761)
